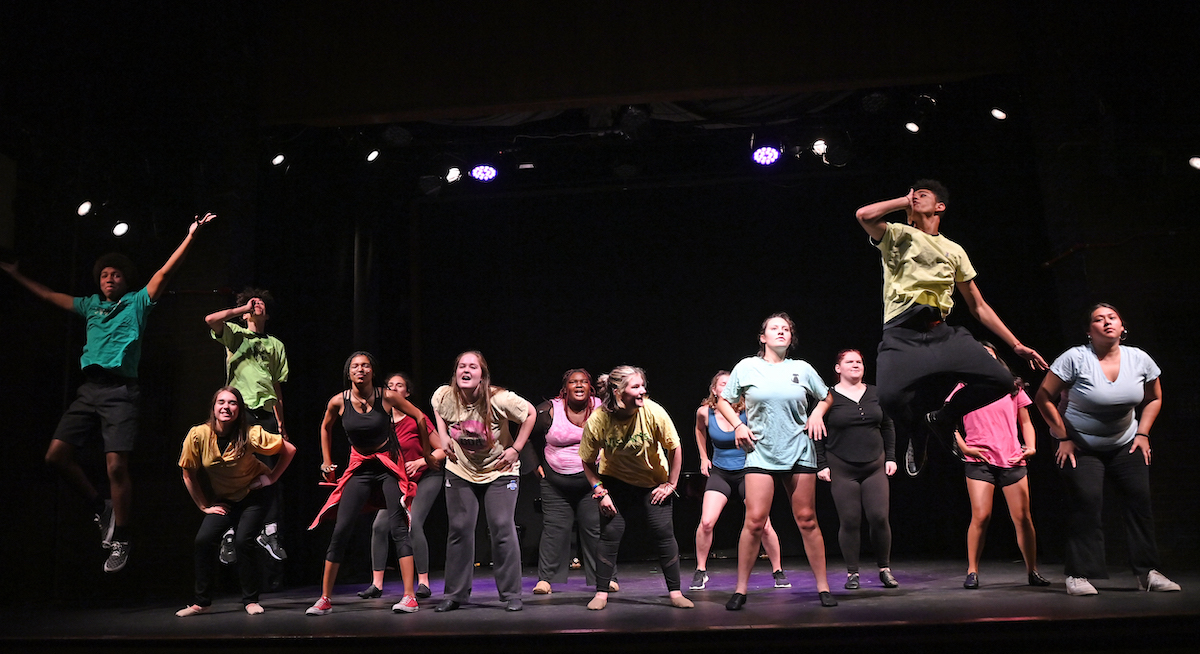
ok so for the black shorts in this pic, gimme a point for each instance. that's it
(108, 407)
(797, 469)
(726, 482)
(995, 475)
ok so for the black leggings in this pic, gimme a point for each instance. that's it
(355, 494)
(634, 500)
(859, 487)
(246, 518)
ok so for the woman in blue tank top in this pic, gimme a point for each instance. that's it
(725, 478)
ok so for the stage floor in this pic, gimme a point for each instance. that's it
(930, 609)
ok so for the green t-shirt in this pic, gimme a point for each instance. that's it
(253, 363)
(777, 396)
(114, 331)
(920, 268)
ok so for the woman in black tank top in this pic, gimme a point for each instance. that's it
(375, 464)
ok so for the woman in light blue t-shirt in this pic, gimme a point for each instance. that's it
(776, 390)
(1100, 436)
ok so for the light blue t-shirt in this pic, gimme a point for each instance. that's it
(1100, 414)
(776, 409)
(114, 331)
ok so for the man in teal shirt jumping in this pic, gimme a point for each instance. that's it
(108, 400)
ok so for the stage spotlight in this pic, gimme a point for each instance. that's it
(278, 159)
(453, 174)
(820, 147)
(483, 173)
(84, 208)
(1194, 162)
(120, 229)
(372, 155)
(766, 155)
(998, 114)
(912, 127)
(526, 165)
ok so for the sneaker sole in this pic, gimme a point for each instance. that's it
(405, 609)
(783, 585)
(318, 612)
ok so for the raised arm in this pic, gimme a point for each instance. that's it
(60, 300)
(216, 321)
(986, 315)
(871, 217)
(158, 283)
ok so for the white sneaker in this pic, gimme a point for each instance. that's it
(1157, 581)
(1080, 586)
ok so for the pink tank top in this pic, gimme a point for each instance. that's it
(562, 440)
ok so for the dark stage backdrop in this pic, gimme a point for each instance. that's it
(674, 276)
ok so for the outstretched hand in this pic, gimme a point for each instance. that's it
(200, 221)
(1029, 354)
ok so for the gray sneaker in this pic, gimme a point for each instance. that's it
(228, 554)
(270, 543)
(106, 524)
(781, 580)
(699, 580)
(118, 556)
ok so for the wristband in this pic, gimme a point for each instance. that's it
(597, 485)
(1059, 439)
(1141, 434)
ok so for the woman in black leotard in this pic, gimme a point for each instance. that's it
(375, 462)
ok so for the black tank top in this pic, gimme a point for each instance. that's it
(367, 432)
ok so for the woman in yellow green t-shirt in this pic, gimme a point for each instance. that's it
(638, 470)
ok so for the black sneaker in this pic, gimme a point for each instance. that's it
(699, 580)
(270, 543)
(940, 429)
(851, 581)
(972, 581)
(118, 556)
(423, 591)
(781, 579)
(106, 524)
(228, 554)
(1036, 579)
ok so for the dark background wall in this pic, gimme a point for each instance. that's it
(171, 110)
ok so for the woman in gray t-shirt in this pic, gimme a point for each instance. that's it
(1102, 385)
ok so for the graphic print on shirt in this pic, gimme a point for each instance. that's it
(473, 436)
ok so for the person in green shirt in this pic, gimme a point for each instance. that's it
(108, 399)
(255, 364)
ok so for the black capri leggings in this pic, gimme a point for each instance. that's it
(366, 478)
(635, 501)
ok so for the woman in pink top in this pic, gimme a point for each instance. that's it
(995, 457)
(566, 494)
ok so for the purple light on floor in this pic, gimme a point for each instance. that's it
(766, 155)
(484, 173)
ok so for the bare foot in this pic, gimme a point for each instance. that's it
(254, 608)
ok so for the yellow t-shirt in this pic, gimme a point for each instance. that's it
(476, 446)
(632, 450)
(229, 476)
(920, 269)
